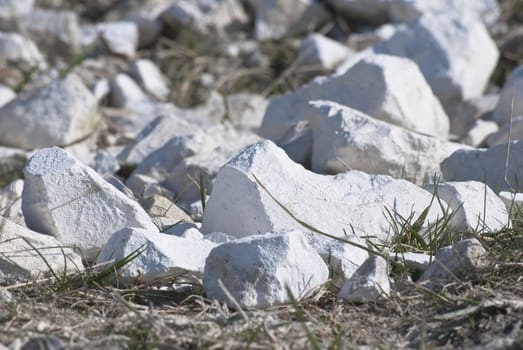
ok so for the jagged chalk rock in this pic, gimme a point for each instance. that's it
(246, 110)
(481, 131)
(11, 202)
(12, 161)
(502, 135)
(475, 207)
(277, 19)
(470, 111)
(260, 271)
(119, 38)
(185, 230)
(17, 49)
(409, 10)
(458, 261)
(346, 205)
(66, 199)
(125, 92)
(344, 139)
(414, 262)
(361, 41)
(60, 113)
(150, 78)
(159, 206)
(486, 165)
(54, 32)
(375, 85)
(510, 102)
(105, 164)
(454, 52)
(162, 254)
(513, 202)
(18, 245)
(318, 50)
(370, 11)
(370, 282)
(297, 143)
(179, 164)
(11, 8)
(6, 94)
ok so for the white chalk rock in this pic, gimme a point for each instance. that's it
(408, 10)
(162, 254)
(369, 283)
(482, 130)
(58, 114)
(513, 202)
(6, 94)
(318, 50)
(11, 202)
(510, 102)
(54, 32)
(36, 252)
(346, 205)
(120, 38)
(475, 207)
(260, 271)
(460, 261)
(375, 85)
(283, 18)
(344, 139)
(486, 165)
(371, 11)
(11, 8)
(364, 40)
(125, 92)
(470, 111)
(66, 199)
(147, 74)
(454, 52)
(414, 262)
(502, 135)
(17, 49)
(246, 110)
(179, 164)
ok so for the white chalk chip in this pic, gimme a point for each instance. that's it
(370, 282)
(66, 199)
(260, 271)
(162, 254)
(58, 114)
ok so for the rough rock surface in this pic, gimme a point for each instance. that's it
(147, 74)
(370, 282)
(510, 102)
(344, 138)
(502, 135)
(375, 86)
(475, 207)
(260, 271)
(486, 165)
(319, 51)
(17, 49)
(455, 54)
(353, 202)
(66, 199)
(58, 114)
(163, 254)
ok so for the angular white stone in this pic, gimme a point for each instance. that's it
(370, 282)
(361, 41)
(54, 32)
(18, 244)
(454, 52)
(318, 50)
(120, 38)
(475, 207)
(502, 135)
(11, 202)
(346, 205)
(513, 203)
(415, 262)
(125, 92)
(180, 162)
(486, 165)
(60, 113)
(18, 49)
(6, 95)
(409, 10)
(66, 199)
(277, 19)
(10, 8)
(468, 112)
(162, 255)
(458, 261)
(375, 85)
(482, 130)
(246, 110)
(372, 11)
(260, 270)
(510, 102)
(147, 74)
(344, 139)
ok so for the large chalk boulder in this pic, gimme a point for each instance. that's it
(263, 270)
(376, 86)
(68, 200)
(346, 205)
(344, 138)
(58, 114)
(454, 52)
